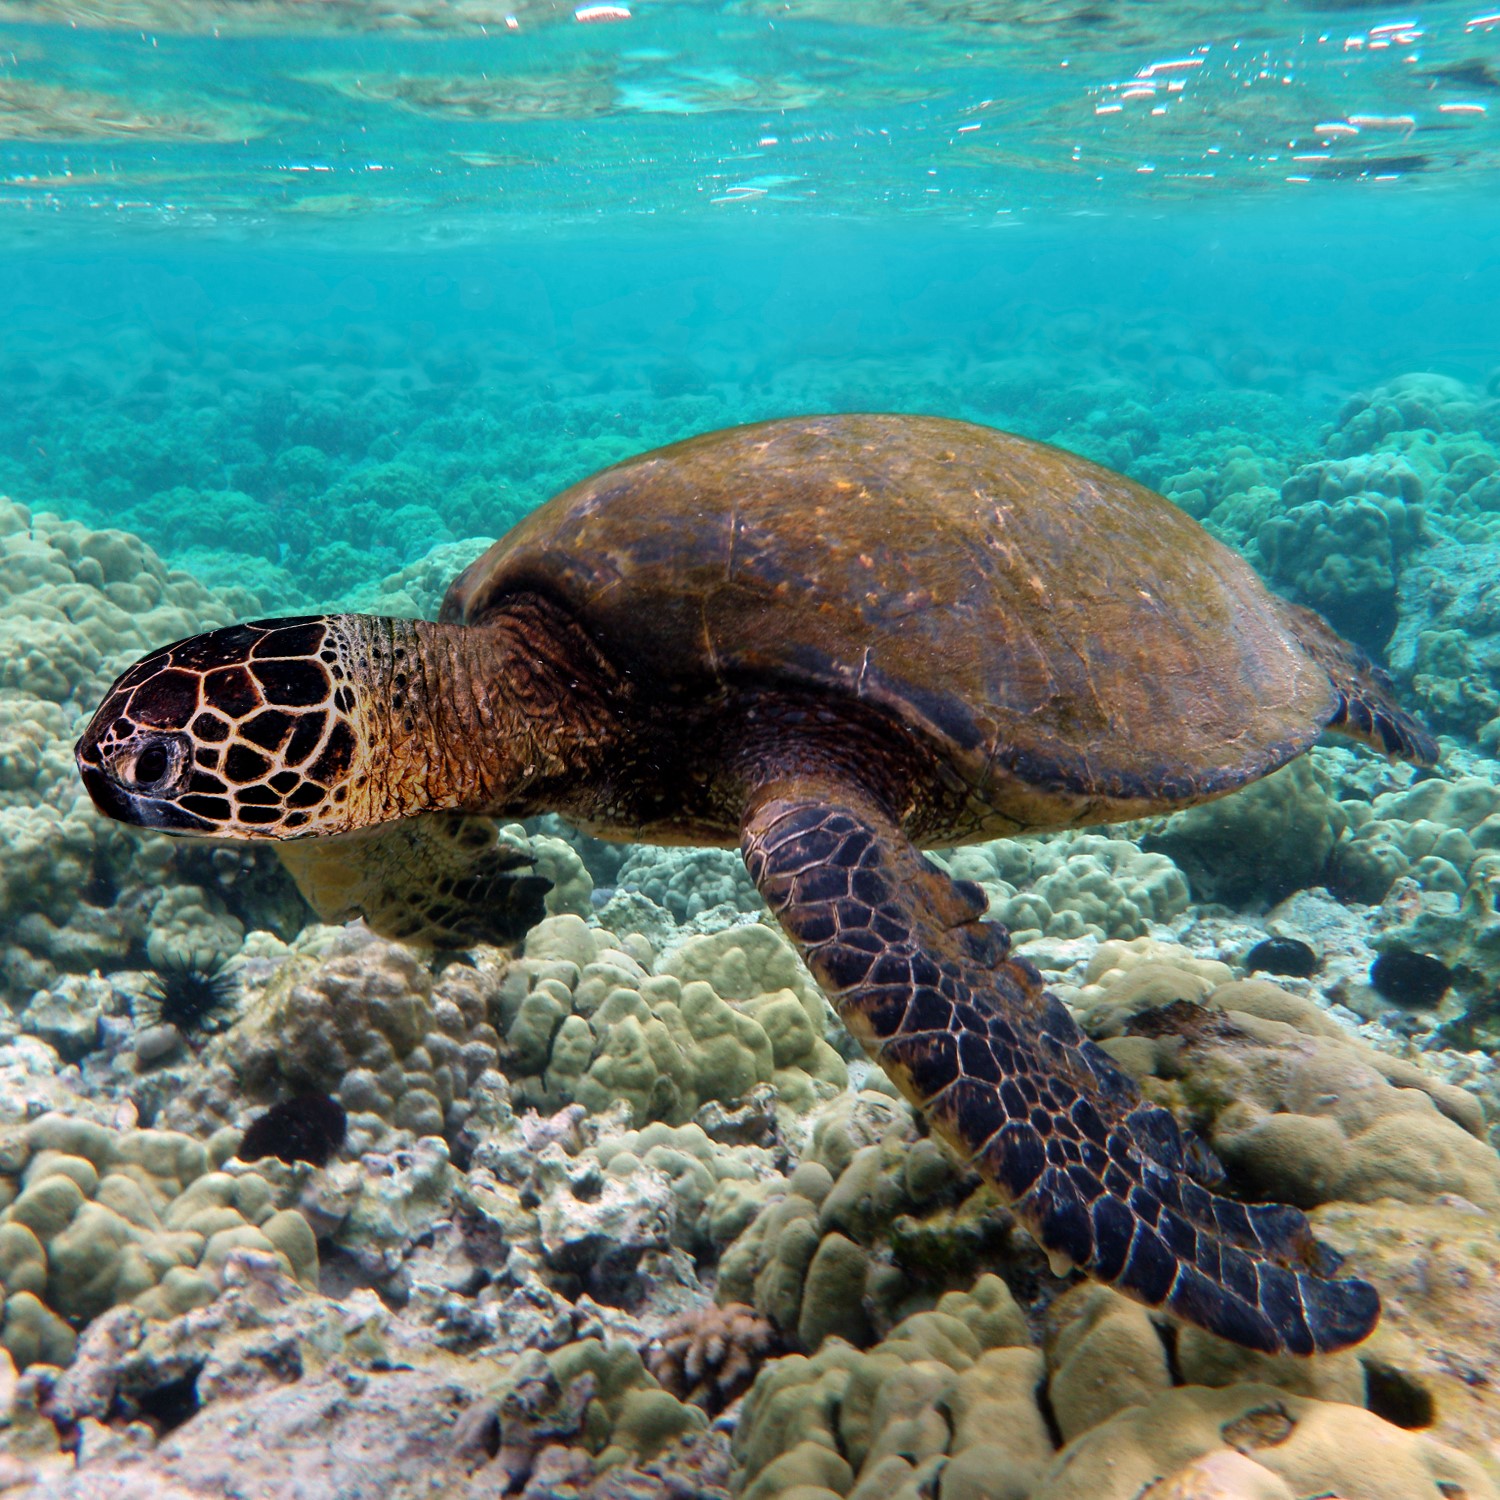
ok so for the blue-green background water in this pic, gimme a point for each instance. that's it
(498, 372)
(496, 246)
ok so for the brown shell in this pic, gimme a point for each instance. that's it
(1070, 643)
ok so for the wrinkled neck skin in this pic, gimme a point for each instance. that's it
(452, 719)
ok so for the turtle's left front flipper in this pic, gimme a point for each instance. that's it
(1003, 1074)
(443, 879)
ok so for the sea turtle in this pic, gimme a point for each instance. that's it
(834, 640)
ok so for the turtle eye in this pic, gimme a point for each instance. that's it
(149, 766)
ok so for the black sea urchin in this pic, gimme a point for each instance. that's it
(1417, 981)
(1283, 955)
(307, 1128)
(188, 992)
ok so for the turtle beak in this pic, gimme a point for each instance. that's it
(111, 799)
(114, 801)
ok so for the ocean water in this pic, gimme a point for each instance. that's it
(302, 305)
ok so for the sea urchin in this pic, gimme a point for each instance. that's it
(187, 992)
(308, 1128)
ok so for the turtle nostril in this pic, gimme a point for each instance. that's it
(150, 766)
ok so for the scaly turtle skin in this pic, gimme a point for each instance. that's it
(835, 640)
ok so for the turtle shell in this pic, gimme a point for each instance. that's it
(1071, 644)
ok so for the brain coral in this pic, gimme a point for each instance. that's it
(585, 1020)
(1341, 538)
(1259, 844)
(1074, 885)
(96, 1217)
(364, 1020)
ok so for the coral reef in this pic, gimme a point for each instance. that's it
(835, 1228)
(586, 1203)
(1341, 537)
(416, 591)
(1438, 1265)
(945, 1382)
(95, 1218)
(364, 1021)
(1299, 1109)
(1431, 833)
(687, 883)
(1447, 641)
(1083, 885)
(1262, 1441)
(1262, 843)
(872, 1224)
(959, 1401)
(272, 1381)
(629, 1416)
(724, 1012)
(1427, 855)
(714, 1187)
(556, 861)
(1420, 402)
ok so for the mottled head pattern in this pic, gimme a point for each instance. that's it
(248, 732)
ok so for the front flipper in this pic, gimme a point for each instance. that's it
(441, 878)
(1003, 1074)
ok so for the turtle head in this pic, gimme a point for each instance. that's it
(254, 731)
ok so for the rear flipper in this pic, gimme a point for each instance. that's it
(443, 879)
(1365, 707)
(1104, 1180)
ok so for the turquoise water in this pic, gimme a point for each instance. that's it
(132, 374)
(624, 230)
(301, 305)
